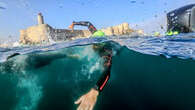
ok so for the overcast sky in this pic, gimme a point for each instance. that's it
(148, 14)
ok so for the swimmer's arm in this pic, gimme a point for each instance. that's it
(106, 74)
(102, 80)
(88, 101)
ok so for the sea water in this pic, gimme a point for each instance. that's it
(148, 73)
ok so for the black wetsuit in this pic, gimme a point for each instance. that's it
(105, 52)
(182, 19)
(90, 26)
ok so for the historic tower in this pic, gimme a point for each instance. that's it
(40, 19)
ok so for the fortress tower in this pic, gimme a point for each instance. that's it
(40, 19)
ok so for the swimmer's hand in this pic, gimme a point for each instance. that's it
(87, 101)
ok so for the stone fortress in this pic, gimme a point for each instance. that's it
(42, 32)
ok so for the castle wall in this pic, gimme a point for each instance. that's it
(43, 32)
(65, 34)
(34, 34)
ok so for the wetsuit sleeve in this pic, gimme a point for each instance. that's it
(105, 76)
(90, 26)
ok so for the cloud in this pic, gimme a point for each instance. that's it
(133, 1)
(3, 8)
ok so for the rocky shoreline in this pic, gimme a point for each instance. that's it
(44, 33)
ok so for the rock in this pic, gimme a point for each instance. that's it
(140, 32)
(122, 29)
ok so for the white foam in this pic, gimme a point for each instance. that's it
(93, 61)
(32, 95)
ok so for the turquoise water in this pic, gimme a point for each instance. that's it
(147, 74)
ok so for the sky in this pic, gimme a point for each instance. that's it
(144, 14)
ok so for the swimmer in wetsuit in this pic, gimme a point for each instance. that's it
(181, 20)
(87, 101)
